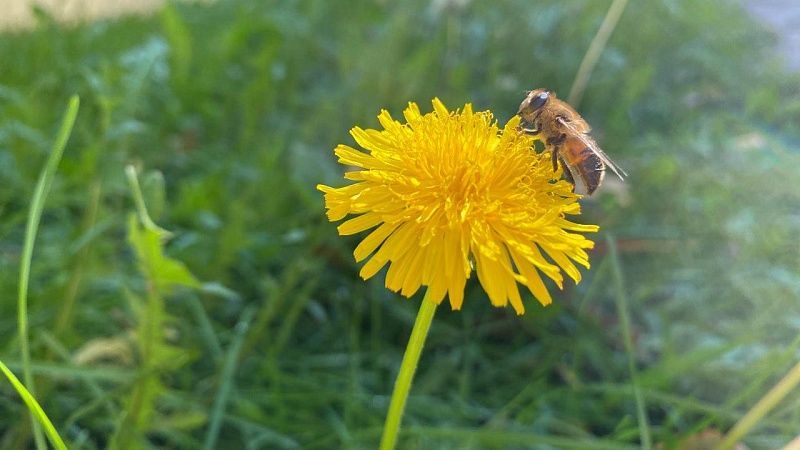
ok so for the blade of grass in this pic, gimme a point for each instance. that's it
(595, 49)
(34, 215)
(36, 411)
(277, 290)
(625, 321)
(226, 377)
(761, 408)
(69, 372)
(97, 391)
(489, 438)
(510, 438)
(205, 328)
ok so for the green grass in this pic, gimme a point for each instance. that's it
(249, 327)
(37, 413)
(32, 226)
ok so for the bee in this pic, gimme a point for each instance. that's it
(566, 135)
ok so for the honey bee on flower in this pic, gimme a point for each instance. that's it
(566, 134)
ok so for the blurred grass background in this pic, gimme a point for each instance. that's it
(231, 110)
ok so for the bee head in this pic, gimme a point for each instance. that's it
(538, 98)
(535, 100)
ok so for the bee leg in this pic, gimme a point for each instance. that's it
(568, 174)
(529, 128)
(554, 143)
(533, 128)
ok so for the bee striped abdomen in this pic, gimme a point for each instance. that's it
(590, 168)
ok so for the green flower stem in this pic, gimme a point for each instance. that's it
(407, 368)
(760, 409)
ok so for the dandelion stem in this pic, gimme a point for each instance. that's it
(407, 368)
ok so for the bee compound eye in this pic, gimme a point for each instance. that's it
(540, 99)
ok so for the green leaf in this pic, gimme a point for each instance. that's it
(166, 273)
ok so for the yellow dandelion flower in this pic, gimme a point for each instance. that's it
(447, 192)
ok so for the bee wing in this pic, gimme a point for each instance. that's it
(589, 142)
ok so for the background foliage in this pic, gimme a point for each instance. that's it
(251, 328)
